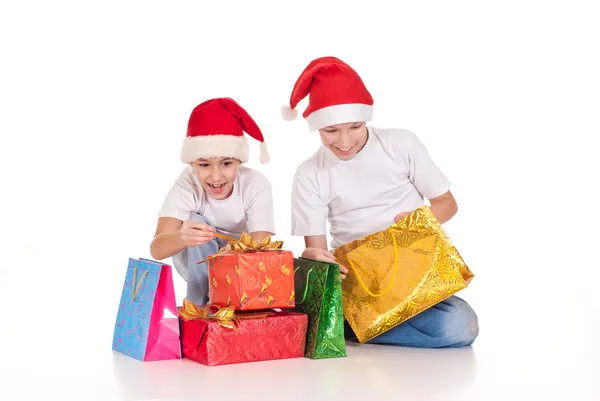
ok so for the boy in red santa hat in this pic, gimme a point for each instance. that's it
(362, 180)
(215, 192)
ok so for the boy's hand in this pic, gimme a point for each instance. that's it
(400, 216)
(323, 256)
(194, 233)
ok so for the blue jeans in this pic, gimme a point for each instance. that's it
(449, 324)
(196, 275)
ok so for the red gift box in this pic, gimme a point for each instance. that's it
(256, 337)
(252, 280)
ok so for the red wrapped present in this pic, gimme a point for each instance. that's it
(252, 276)
(224, 337)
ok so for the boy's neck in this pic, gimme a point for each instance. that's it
(210, 198)
(366, 140)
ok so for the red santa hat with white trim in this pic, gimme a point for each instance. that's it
(216, 129)
(337, 95)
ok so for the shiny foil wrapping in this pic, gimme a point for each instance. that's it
(252, 280)
(279, 335)
(319, 295)
(399, 272)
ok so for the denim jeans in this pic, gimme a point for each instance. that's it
(451, 323)
(196, 275)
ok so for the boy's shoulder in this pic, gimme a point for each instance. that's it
(311, 165)
(250, 178)
(187, 178)
(398, 142)
(395, 135)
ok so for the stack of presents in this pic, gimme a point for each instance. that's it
(265, 304)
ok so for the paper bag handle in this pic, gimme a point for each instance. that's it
(389, 287)
(306, 286)
(136, 288)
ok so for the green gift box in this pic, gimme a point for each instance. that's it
(319, 295)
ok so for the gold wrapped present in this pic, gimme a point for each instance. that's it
(398, 273)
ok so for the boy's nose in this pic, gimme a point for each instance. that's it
(343, 141)
(215, 174)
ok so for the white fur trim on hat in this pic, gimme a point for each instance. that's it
(339, 114)
(207, 146)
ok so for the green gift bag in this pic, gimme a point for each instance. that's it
(319, 295)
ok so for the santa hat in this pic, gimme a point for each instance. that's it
(216, 129)
(337, 95)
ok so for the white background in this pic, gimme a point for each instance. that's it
(94, 103)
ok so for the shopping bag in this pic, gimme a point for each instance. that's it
(142, 331)
(319, 295)
(399, 272)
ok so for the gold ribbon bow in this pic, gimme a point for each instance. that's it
(225, 316)
(245, 244)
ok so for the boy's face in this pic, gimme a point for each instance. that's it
(216, 175)
(345, 140)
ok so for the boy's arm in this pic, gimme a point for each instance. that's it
(443, 207)
(316, 249)
(309, 215)
(316, 241)
(172, 236)
(428, 179)
(260, 235)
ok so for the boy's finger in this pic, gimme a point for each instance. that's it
(343, 269)
(200, 234)
(330, 256)
(201, 226)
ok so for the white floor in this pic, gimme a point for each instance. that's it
(94, 105)
(528, 349)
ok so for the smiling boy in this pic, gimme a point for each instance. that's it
(215, 192)
(362, 180)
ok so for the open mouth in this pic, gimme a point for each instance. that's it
(217, 188)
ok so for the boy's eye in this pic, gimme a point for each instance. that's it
(330, 131)
(357, 127)
(203, 164)
(226, 163)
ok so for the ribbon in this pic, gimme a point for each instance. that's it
(245, 244)
(136, 288)
(225, 316)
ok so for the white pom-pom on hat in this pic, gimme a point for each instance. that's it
(264, 154)
(288, 113)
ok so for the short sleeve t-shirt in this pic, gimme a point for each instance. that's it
(393, 173)
(248, 209)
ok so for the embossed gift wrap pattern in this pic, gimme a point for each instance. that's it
(320, 296)
(253, 280)
(247, 338)
(399, 272)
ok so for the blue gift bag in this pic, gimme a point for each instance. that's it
(141, 330)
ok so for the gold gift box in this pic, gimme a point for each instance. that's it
(398, 273)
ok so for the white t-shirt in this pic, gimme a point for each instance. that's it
(248, 209)
(391, 174)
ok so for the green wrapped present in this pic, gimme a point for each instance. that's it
(319, 295)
